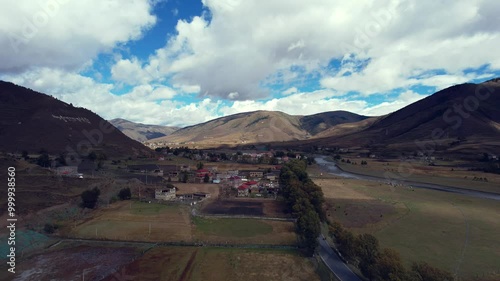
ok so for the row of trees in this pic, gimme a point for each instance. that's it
(381, 264)
(90, 197)
(304, 200)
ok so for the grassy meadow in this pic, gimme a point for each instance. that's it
(140, 221)
(450, 231)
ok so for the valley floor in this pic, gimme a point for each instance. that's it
(451, 231)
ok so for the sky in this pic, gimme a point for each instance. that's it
(182, 62)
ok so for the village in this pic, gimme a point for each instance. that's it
(250, 183)
(248, 174)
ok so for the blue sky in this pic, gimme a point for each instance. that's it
(184, 62)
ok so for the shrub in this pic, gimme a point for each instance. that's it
(125, 194)
(90, 197)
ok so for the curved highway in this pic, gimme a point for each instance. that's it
(333, 169)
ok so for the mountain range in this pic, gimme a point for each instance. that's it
(31, 121)
(142, 132)
(461, 118)
(259, 127)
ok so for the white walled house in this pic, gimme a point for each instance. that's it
(165, 194)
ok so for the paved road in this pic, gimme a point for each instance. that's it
(333, 169)
(334, 263)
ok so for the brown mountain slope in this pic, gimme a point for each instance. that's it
(318, 123)
(32, 121)
(142, 132)
(467, 112)
(347, 128)
(258, 127)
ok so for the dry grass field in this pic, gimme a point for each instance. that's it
(130, 220)
(70, 261)
(221, 264)
(186, 188)
(444, 173)
(451, 231)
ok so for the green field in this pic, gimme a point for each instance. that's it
(450, 231)
(244, 231)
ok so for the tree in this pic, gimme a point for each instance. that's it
(279, 154)
(199, 166)
(125, 194)
(61, 159)
(43, 160)
(92, 156)
(206, 178)
(390, 266)
(274, 161)
(424, 272)
(184, 177)
(368, 252)
(347, 244)
(90, 197)
(308, 230)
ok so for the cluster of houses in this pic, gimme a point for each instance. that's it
(246, 182)
(254, 182)
(254, 156)
(169, 194)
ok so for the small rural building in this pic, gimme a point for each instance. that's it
(67, 171)
(165, 194)
(232, 173)
(272, 176)
(243, 190)
(201, 195)
(254, 173)
(172, 171)
(146, 168)
(235, 181)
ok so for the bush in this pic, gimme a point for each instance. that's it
(43, 160)
(424, 272)
(90, 197)
(125, 194)
(50, 228)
